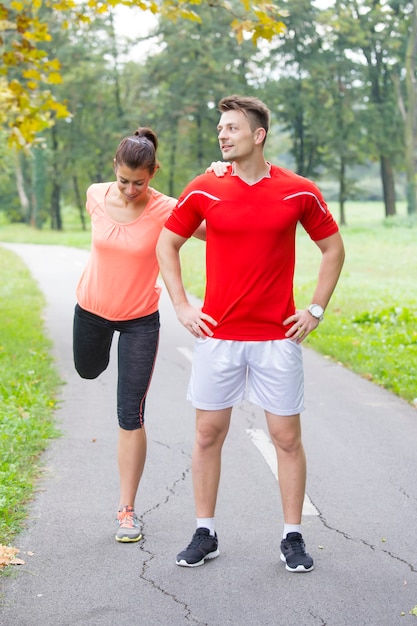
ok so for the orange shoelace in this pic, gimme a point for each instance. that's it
(126, 517)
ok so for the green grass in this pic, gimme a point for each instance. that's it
(371, 323)
(20, 233)
(28, 384)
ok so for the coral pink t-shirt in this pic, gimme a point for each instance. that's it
(250, 250)
(120, 279)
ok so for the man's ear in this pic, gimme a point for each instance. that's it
(260, 135)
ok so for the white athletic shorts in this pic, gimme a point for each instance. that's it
(267, 373)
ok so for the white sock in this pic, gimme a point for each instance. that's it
(206, 522)
(291, 528)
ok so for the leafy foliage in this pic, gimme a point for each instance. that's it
(185, 113)
(27, 106)
(331, 109)
(381, 344)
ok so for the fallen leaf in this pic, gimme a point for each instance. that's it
(7, 555)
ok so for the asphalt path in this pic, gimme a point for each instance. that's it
(360, 514)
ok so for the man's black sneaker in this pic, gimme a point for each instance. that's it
(294, 555)
(203, 546)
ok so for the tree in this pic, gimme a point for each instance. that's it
(406, 84)
(27, 105)
(188, 91)
(78, 147)
(291, 61)
(370, 27)
(341, 80)
(65, 158)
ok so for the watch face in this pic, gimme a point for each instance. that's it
(316, 311)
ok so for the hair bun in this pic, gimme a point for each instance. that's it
(148, 133)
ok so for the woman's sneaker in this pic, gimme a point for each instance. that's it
(128, 525)
(203, 546)
(294, 555)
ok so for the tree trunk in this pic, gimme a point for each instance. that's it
(80, 204)
(299, 138)
(20, 185)
(342, 191)
(387, 177)
(172, 161)
(116, 78)
(199, 142)
(56, 219)
(411, 115)
(38, 188)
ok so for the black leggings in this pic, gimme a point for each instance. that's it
(137, 349)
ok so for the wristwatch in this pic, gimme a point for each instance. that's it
(316, 311)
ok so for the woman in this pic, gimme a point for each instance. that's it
(118, 292)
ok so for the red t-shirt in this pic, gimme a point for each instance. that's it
(250, 254)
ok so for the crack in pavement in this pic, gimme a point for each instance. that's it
(315, 617)
(373, 547)
(251, 417)
(171, 491)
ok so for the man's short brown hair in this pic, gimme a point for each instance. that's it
(255, 110)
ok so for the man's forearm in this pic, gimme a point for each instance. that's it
(168, 254)
(333, 257)
(190, 316)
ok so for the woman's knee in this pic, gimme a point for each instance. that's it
(87, 371)
(87, 375)
(130, 424)
(91, 344)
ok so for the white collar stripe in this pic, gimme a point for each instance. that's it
(198, 191)
(306, 193)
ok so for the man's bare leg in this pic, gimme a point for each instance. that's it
(211, 430)
(285, 433)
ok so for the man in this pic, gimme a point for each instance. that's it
(248, 330)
